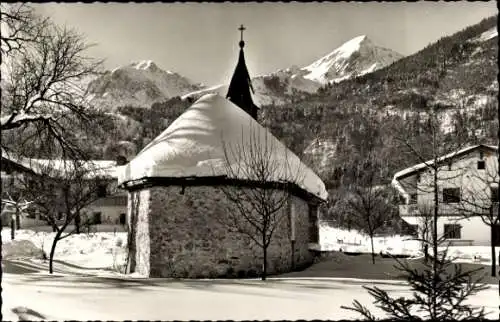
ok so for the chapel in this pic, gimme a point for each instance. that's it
(177, 208)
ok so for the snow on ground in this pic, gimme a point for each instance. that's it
(102, 250)
(489, 34)
(73, 297)
(336, 239)
(96, 294)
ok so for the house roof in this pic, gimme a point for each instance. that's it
(95, 168)
(422, 166)
(194, 146)
(416, 168)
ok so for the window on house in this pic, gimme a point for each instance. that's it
(452, 231)
(101, 191)
(413, 198)
(451, 195)
(494, 194)
(123, 218)
(481, 164)
(96, 218)
(313, 224)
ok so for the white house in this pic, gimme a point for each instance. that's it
(467, 193)
(110, 207)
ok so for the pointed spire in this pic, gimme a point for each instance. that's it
(241, 85)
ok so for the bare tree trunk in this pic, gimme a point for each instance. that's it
(12, 229)
(264, 250)
(435, 244)
(77, 222)
(493, 255)
(18, 220)
(53, 250)
(373, 249)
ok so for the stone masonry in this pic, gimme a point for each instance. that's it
(182, 235)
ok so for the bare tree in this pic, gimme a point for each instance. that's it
(19, 206)
(60, 189)
(371, 205)
(44, 74)
(265, 164)
(20, 26)
(43, 66)
(424, 229)
(368, 202)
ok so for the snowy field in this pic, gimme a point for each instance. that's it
(101, 250)
(96, 298)
(86, 285)
(335, 239)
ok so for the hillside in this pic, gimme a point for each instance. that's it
(456, 77)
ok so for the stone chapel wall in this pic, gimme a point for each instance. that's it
(185, 239)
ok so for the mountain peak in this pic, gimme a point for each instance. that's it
(144, 65)
(354, 57)
(351, 46)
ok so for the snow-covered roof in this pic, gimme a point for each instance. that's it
(408, 171)
(193, 146)
(94, 168)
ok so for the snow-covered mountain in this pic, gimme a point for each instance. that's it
(356, 57)
(143, 83)
(138, 84)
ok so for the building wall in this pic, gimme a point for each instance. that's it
(473, 229)
(463, 173)
(188, 236)
(110, 207)
(475, 194)
(109, 214)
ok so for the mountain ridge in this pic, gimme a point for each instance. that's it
(140, 83)
(355, 57)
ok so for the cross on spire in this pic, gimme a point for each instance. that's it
(241, 29)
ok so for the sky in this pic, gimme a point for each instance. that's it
(200, 40)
